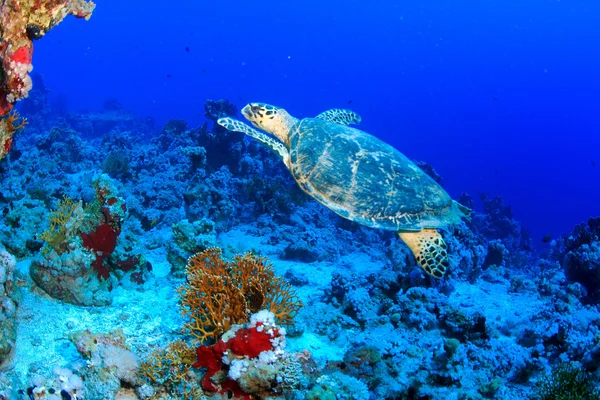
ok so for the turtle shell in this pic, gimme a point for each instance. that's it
(364, 179)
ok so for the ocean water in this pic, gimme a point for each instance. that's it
(498, 99)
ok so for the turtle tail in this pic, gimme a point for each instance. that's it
(465, 211)
(429, 249)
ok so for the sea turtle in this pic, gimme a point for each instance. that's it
(358, 176)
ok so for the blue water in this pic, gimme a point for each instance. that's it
(500, 96)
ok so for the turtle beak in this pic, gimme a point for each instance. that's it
(247, 112)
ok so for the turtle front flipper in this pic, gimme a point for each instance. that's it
(236, 126)
(429, 249)
(340, 116)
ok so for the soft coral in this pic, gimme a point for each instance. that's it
(247, 342)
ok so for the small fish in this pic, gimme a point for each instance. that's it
(547, 238)
(349, 101)
(495, 97)
(593, 163)
(169, 76)
(203, 69)
(187, 49)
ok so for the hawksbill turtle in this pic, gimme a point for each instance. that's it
(358, 176)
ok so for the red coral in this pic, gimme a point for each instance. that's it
(128, 264)
(8, 126)
(22, 55)
(102, 242)
(248, 342)
(5, 106)
(209, 357)
(7, 145)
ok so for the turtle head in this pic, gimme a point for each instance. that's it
(271, 119)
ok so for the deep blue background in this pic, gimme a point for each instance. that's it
(500, 96)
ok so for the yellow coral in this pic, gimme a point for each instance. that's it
(64, 222)
(171, 369)
(219, 294)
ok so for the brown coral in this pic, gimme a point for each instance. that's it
(8, 126)
(171, 369)
(219, 294)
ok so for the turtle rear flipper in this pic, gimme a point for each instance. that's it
(236, 126)
(340, 116)
(429, 249)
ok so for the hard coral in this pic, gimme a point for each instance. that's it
(581, 259)
(8, 304)
(111, 365)
(220, 294)
(171, 369)
(219, 108)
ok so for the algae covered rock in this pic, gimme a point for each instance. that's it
(74, 263)
(190, 238)
(71, 277)
(8, 304)
(112, 366)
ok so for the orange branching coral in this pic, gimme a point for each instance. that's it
(219, 294)
(8, 126)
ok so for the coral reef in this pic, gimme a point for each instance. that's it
(64, 383)
(497, 222)
(111, 365)
(8, 126)
(24, 21)
(250, 361)
(8, 304)
(567, 381)
(219, 294)
(171, 371)
(189, 238)
(22, 219)
(72, 265)
(579, 254)
(374, 325)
